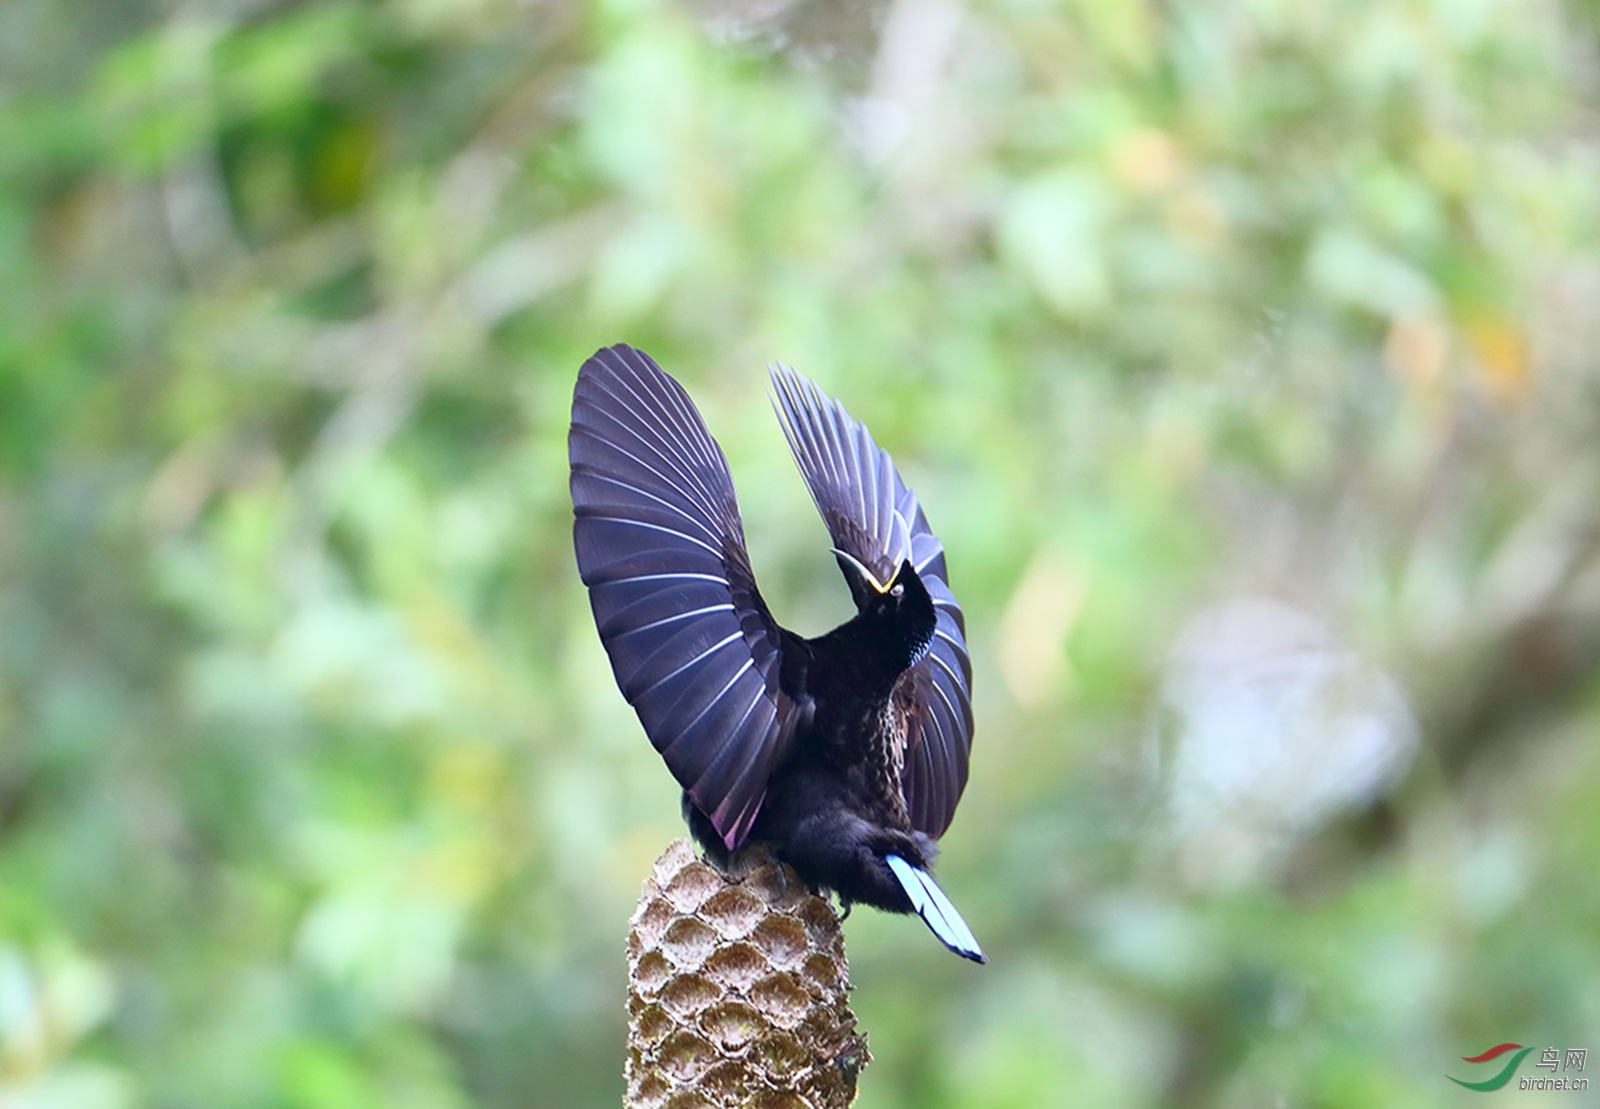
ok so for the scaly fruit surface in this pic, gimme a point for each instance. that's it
(738, 990)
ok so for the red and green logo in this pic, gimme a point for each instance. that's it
(1505, 1072)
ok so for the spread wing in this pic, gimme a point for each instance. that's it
(661, 548)
(873, 517)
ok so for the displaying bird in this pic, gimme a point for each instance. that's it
(847, 753)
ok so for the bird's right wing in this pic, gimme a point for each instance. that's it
(874, 517)
(661, 548)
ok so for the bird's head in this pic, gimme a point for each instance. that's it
(901, 606)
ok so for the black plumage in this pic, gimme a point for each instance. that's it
(846, 752)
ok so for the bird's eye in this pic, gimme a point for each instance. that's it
(897, 590)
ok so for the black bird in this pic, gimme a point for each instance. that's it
(847, 752)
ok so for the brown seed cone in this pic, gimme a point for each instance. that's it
(737, 990)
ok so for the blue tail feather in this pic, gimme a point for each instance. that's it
(936, 910)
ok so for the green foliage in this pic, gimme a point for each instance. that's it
(315, 789)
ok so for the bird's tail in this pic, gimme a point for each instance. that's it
(935, 909)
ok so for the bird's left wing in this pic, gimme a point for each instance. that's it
(661, 548)
(873, 517)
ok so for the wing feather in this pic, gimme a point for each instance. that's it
(875, 518)
(661, 548)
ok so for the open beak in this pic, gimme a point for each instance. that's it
(867, 576)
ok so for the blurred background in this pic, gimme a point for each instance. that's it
(1243, 354)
